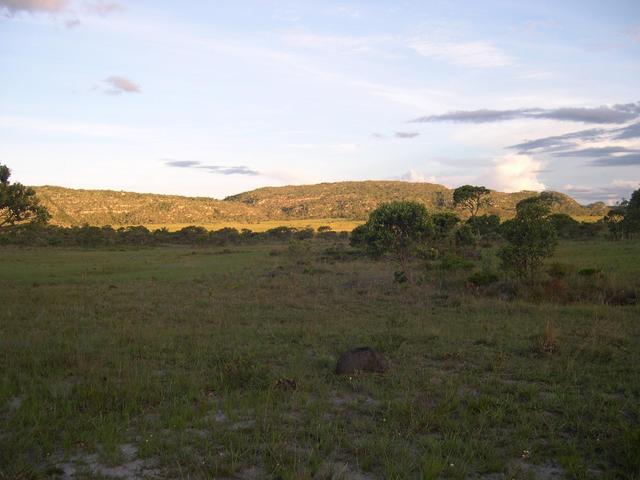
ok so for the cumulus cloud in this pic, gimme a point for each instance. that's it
(414, 176)
(219, 169)
(615, 114)
(34, 6)
(120, 85)
(476, 54)
(514, 173)
(406, 134)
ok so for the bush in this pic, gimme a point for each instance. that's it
(560, 270)
(465, 236)
(484, 225)
(531, 237)
(395, 228)
(483, 278)
(451, 261)
(590, 272)
(443, 224)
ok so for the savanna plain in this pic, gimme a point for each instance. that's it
(218, 362)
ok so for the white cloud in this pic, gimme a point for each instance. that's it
(121, 84)
(477, 54)
(103, 7)
(55, 7)
(514, 173)
(634, 33)
(34, 6)
(417, 177)
(626, 183)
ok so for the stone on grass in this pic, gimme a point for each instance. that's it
(363, 359)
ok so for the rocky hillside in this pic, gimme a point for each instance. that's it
(349, 200)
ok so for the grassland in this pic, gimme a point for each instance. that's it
(336, 224)
(178, 362)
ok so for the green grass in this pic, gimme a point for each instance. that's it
(178, 352)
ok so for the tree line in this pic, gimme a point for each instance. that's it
(397, 227)
(405, 229)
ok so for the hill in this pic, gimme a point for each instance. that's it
(342, 200)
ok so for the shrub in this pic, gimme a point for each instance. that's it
(484, 225)
(451, 261)
(483, 278)
(531, 237)
(590, 272)
(465, 236)
(395, 228)
(560, 270)
(443, 224)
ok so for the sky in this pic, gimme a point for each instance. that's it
(215, 98)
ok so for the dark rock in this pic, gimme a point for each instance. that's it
(287, 384)
(363, 359)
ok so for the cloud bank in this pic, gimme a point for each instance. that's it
(219, 169)
(616, 114)
(609, 194)
(602, 147)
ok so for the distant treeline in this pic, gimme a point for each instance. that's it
(446, 224)
(91, 236)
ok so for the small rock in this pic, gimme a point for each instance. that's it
(287, 384)
(363, 359)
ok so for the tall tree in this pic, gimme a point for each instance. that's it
(470, 197)
(395, 228)
(18, 204)
(531, 236)
(632, 213)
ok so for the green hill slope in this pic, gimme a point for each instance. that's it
(342, 200)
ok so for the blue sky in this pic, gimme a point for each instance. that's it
(214, 98)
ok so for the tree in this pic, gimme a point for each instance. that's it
(444, 223)
(565, 225)
(632, 214)
(615, 220)
(531, 236)
(19, 204)
(395, 228)
(471, 198)
(484, 225)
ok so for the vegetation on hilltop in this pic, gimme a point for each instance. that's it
(342, 200)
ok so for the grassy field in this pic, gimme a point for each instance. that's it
(218, 363)
(336, 224)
